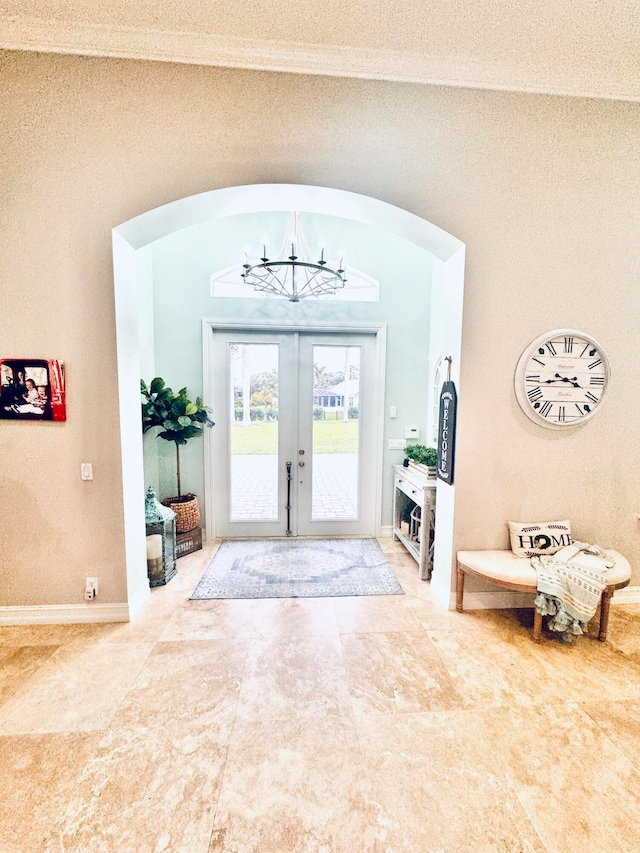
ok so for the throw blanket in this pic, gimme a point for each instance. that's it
(570, 585)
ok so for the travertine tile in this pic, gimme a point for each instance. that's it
(252, 618)
(620, 721)
(78, 689)
(145, 789)
(191, 680)
(366, 614)
(287, 676)
(292, 788)
(578, 789)
(37, 772)
(396, 673)
(18, 664)
(624, 628)
(434, 784)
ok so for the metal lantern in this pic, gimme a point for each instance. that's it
(161, 540)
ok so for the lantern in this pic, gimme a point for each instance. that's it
(161, 540)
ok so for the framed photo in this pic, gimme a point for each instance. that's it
(32, 389)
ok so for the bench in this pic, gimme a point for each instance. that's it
(507, 570)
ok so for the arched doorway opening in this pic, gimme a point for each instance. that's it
(133, 237)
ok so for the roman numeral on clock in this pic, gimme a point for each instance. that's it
(561, 414)
(579, 409)
(596, 380)
(586, 347)
(534, 394)
(549, 345)
(595, 363)
(535, 377)
(591, 397)
(545, 409)
(568, 344)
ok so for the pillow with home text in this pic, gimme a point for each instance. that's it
(538, 538)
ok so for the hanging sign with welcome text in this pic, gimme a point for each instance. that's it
(447, 432)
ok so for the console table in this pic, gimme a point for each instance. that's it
(414, 514)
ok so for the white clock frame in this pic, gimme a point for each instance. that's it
(520, 382)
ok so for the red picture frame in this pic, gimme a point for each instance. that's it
(32, 389)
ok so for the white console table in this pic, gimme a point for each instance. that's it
(412, 489)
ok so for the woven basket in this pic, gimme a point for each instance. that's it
(187, 511)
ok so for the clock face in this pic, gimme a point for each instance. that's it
(562, 379)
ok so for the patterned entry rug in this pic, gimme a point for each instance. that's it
(297, 568)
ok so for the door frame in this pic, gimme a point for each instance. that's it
(378, 330)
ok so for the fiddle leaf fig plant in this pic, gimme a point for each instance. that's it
(179, 417)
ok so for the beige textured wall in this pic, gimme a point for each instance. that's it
(543, 190)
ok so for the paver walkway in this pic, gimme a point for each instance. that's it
(254, 492)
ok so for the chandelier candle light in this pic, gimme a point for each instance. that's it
(294, 277)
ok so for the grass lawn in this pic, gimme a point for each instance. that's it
(262, 438)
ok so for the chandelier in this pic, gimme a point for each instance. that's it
(294, 276)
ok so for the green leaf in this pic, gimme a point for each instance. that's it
(191, 409)
(156, 385)
(184, 421)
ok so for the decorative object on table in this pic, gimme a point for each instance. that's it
(562, 379)
(297, 568)
(161, 540)
(32, 389)
(421, 457)
(531, 539)
(294, 276)
(181, 420)
(188, 542)
(447, 428)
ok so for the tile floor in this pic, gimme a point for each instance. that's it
(353, 725)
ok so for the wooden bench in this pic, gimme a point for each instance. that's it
(507, 570)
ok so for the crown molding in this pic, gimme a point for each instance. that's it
(51, 36)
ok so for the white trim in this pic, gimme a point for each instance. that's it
(386, 531)
(503, 600)
(64, 614)
(30, 33)
(628, 595)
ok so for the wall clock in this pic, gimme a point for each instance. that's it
(562, 379)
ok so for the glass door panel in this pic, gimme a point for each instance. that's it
(253, 372)
(338, 393)
(336, 434)
(253, 431)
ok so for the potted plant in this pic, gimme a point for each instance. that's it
(180, 419)
(421, 457)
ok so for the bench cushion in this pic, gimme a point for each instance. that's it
(505, 568)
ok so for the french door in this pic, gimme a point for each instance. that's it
(294, 444)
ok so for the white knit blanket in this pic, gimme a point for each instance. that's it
(570, 584)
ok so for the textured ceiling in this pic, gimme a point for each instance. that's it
(584, 47)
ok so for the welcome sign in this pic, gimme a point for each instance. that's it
(447, 432)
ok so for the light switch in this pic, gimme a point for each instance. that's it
(393, 412)
(86, 470)
(397, 444)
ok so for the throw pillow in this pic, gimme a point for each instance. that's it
(535, 539)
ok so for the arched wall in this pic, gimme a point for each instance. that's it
(131, 238)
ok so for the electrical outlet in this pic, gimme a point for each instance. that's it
(91, 588)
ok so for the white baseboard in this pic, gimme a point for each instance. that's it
(628, 595)
(64, 614)
(503, 600)
(386, 531)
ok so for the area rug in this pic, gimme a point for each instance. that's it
(297, 568)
